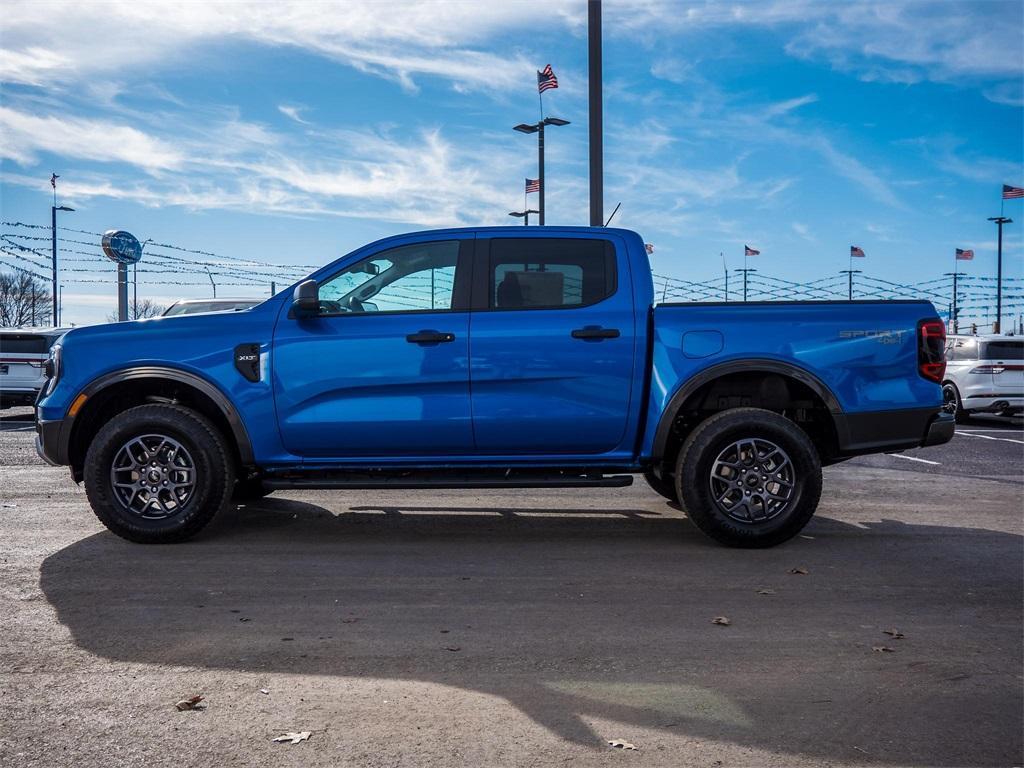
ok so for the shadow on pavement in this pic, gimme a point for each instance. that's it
(572, 614)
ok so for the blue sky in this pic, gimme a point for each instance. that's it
(294, 132)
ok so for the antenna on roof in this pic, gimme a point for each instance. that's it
(613, 213)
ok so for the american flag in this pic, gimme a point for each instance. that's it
(856, 251)
(54, 177)
(748, 251)
(532, 185)
(546, 79)
(962, 255)
(1008, 191)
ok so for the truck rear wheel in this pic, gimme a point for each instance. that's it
(158, 473)
(748, 477)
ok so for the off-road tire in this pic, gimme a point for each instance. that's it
(703, 448)
(214, 474)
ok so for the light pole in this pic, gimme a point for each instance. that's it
(999, 220)
(596, 116)
(745, 271)
(849, 281)
(55, 309)
(538, 128)
(524, 215)
(954, 310)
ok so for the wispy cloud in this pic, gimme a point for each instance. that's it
(25, 135)
(292, 112)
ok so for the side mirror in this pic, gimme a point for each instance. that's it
(306, 299)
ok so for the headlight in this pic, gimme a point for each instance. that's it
(53, 369)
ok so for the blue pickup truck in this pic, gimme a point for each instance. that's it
(491, 358)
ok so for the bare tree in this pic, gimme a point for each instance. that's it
(139, 310)
(24, 300)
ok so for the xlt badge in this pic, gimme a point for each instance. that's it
(247, 361)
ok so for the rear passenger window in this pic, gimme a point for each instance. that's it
(548, 273)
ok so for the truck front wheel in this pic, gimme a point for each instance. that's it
(158, 473)
(748, 477)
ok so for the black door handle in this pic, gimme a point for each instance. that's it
(595, 332)
(429, 337)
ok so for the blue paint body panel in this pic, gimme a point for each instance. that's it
(514, 388)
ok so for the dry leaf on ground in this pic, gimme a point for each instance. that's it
(721, 620)
(882, 649)
(453, 648)
(191, 703)
(293, 738)
(766, 591)
(894, 633)
(620, 744)
(799, 571)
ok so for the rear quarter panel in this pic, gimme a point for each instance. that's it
(865, 353)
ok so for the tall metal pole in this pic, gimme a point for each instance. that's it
(745, 270)
(122, 292)
(849, 281)
(999, 220)
(596, 108)
(540, 166)
(955, 311)
(53, 224)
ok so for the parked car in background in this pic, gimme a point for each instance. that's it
(195, 306)
(984, 374)
(23, 355)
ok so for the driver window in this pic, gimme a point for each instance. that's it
(409, 278)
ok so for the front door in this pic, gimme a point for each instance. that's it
(552, 346)
(383, 370)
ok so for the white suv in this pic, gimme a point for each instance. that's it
(23, 353)
(984, 374)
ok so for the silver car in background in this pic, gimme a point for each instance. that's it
(984, 374)
(23, 355)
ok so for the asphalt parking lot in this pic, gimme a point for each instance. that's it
(523, 628)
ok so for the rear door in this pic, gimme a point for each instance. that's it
(552, 345)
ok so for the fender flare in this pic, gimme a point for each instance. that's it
(747, 365)
(222, 401)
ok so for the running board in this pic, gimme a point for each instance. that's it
(440, 480)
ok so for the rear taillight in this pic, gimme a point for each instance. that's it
(931, 350)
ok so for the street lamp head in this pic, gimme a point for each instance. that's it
(517, 214)
(555, 121)
(1000, 219)
(64, 208)
(526, 128)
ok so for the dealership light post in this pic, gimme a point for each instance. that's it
(538, 128)
(596, 116)
(999, 220)
(524, 215)
(745, 271)
(53, 224)
(849, 281)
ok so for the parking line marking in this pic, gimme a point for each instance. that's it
(913, 458)
(986, 437)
